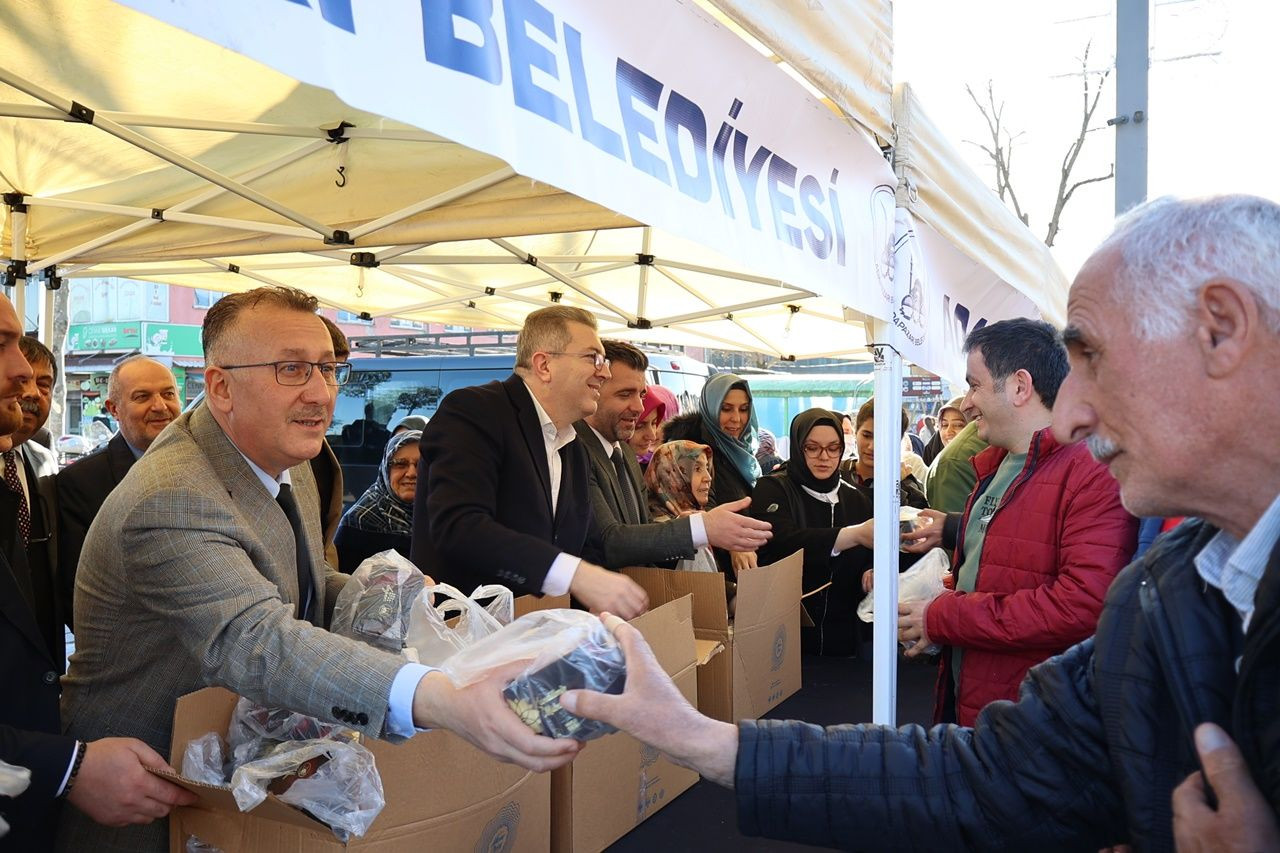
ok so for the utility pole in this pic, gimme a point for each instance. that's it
(1133, 48)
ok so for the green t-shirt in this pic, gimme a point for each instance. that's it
(951, 477)
(975, 533)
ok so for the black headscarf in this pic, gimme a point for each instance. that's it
(798, 468)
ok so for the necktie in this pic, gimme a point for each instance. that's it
(624, 485)
(302, 558)
(11, 480)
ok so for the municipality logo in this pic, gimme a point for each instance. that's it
(499, 834)
(779, 647)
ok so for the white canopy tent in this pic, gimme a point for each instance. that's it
(139, 149)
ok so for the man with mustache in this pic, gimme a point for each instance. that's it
(622, 533)
(206, 566)
(503, 479)
(1041, 538)
(1106, 742)
(30, 499)
(106, 778)
(143, 397)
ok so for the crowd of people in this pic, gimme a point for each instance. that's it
(208, 547)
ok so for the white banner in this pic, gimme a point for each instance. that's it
(940, 295)
(650, 109)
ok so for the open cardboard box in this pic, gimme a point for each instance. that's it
(749, 664)
(616, 782)
(441, 793)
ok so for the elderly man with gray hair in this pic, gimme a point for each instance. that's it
(1174, 344)
(142, 396)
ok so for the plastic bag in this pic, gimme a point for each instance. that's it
(205, 760)
(256, 729)
(13, 781)
(334, 781)
(195, 845)
(431, 640)
(374, 606)
(921, 582)
(566, 650)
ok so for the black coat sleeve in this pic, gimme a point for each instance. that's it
(47, 756)
(355, 546)
(1029, 776)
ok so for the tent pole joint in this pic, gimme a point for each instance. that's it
(339, 238)
(52, 281)
(157, 213)
(640, 323)
(644, 260)
(338, 135)
(15, 202)
(14, 271)
(233, 268)
(368, 260)
(79, 112)
(555, 296)
(531, 260)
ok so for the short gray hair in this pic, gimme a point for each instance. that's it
(547, 330)
(1170, 247)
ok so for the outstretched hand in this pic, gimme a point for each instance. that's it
(653, 710)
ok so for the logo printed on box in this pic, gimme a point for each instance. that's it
(779, 648)
(499, 834)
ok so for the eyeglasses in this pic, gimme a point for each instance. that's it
(597, 359)
(299, 372)
(813, 450)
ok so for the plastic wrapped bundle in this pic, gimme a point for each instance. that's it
(566, 650)
(334, 781)
(375, 604)
(255, 729)
(205, 760)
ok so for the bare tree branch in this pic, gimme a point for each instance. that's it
(1089, 104)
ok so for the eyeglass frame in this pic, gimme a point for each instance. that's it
(311, 366)
(829, 451)
(598, 361)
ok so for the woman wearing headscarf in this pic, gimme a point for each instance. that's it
(812, 508)
(382, 518)
(767, 452)
(678, 482)
(726, 421)
(659, 404)
(950, 421)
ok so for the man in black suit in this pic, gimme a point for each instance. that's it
(503, 495)
(622, 533)
(29, 500)
(107, 778)
(143, 397)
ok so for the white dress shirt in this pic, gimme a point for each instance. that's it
(563, 567)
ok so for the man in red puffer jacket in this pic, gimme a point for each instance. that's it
(1041, 538)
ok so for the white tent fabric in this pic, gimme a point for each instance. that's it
(816, 39)
(942, 192)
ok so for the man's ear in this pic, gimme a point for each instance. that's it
(1023, 390)
(217, 390)
(540, 367)
(1226, 322)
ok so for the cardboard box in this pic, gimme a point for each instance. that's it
(531, 603)
(616, 782)
(749, 664)
(441, 792)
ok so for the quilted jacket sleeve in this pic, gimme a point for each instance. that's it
(1096, 541)
(1026, 777)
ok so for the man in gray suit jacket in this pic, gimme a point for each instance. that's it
(622, 533)
(206, 567)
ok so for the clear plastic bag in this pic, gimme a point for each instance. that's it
(374, 606)
(566, 650)
(256, 729)
(195, 845)
(205, 760)
(335, 782)
(921, 582)
(431, 639)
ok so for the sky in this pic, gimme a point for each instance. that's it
(1212, 126)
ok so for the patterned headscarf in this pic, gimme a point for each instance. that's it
(739, 451)
(669, 478)
(379, 509)
(659, 399)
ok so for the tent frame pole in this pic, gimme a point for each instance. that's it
(461, 191)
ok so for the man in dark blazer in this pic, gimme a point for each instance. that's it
(143, 397)
(106, 778)
(503, 495)
(622, 532)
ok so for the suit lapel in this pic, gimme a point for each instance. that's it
(604, 469)
(259, 512)
(531, 429)
(14, 606)
(119, 458)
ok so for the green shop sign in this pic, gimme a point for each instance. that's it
(95, 337)
(171, 339)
